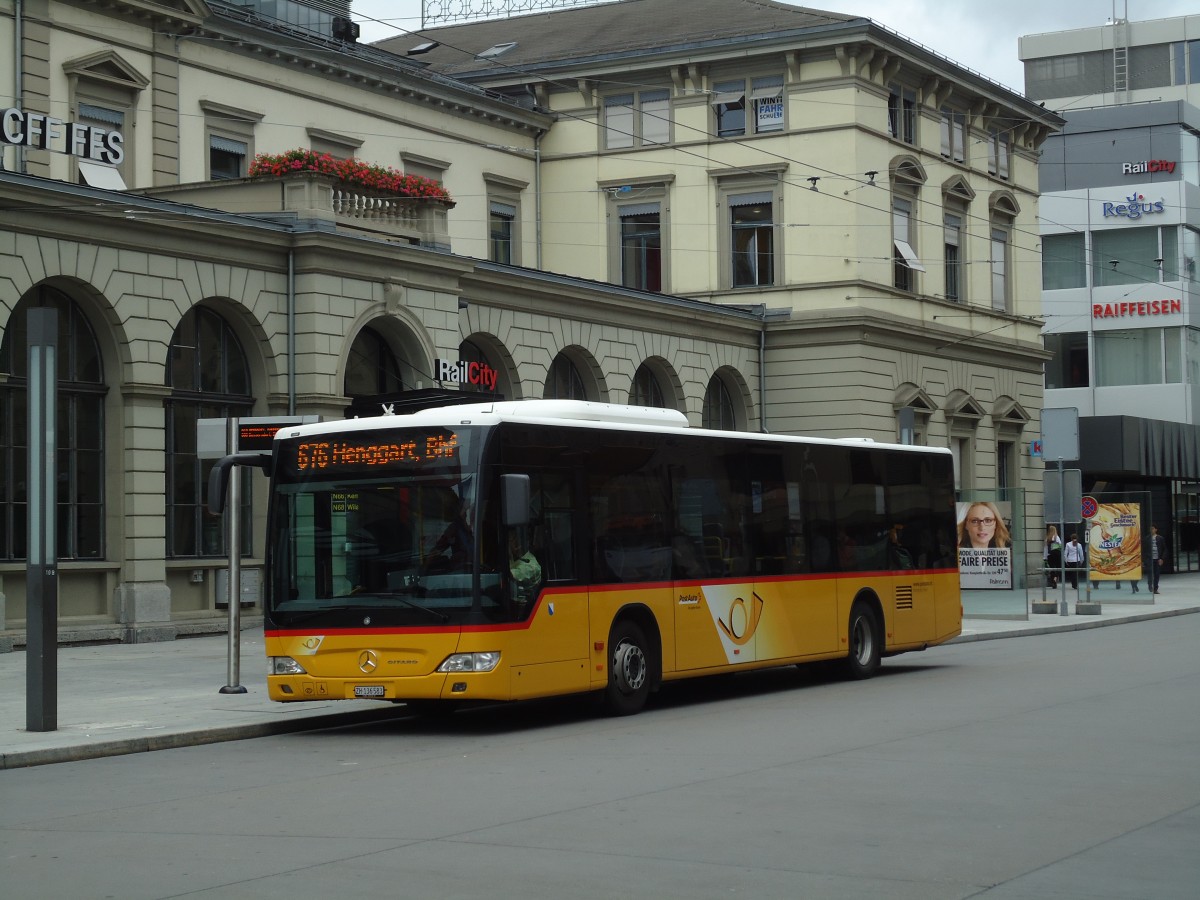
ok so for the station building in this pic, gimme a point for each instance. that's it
(805, 223)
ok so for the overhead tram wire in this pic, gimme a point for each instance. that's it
(706, 159)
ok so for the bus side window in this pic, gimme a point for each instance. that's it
(553, 533)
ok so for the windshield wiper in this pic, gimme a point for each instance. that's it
(306, 615)
(398, 594)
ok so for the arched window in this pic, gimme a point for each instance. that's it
(646, 391)
(564, 382)
(718, 406)
(372, 367)
(209, 379)
(79, 432)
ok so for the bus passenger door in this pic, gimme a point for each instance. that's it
(548, 651)
(716, 608)
(797, 607)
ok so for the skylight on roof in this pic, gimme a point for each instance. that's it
(424, 47)
(496, 50)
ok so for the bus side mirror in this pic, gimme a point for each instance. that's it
(218, 476)
(516, 494)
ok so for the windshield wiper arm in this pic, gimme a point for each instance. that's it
(413, 604)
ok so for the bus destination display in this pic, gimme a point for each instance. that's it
(372, 454)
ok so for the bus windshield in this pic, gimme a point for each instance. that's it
(378, 529)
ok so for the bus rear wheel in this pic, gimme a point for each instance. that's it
(628, 670)
(865, 644)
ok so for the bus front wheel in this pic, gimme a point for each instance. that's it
(628, 670)
(865, 645)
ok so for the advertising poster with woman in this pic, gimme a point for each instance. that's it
(984, 545)
(1115, 542)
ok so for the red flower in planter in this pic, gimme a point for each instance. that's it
(352, 171)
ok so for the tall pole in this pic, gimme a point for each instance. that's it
(1062, 511)
(41, 579)
(233, 683)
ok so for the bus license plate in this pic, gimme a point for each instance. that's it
(368, 690)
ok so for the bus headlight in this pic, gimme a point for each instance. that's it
(284, 665)
(471, 662)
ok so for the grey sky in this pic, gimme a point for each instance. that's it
(979, 34)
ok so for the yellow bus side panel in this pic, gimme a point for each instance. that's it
(547, 679)
(557, 632)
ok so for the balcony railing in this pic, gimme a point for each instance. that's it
(317, 197)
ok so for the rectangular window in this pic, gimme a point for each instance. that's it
(1131, 356)
(953, 258)
(633, 120)
(902, 113)
(904, 256)
(1193, 50)
(501, 217)
(655, 118)
(999, 261)
(1069, 367)
(960, 452)
(998, 152)
(226, 158)
(954, 130)
(1004, 464)
(753, 239)
(729, 104)
(229, 132)
(1168, 252)
(641, 247)
(1064, 262)
(766, 97)
(1173, 355)
(104, 118)
(1191, 251)
(618, 121)
(1133, 255)
(1191, 354)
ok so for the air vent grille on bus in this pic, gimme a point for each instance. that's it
(904, 596)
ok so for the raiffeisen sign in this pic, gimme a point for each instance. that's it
(42, 132)
(1148, 166)
(1134, 207)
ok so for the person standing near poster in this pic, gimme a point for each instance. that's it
(1073, 556)
(1052, 555)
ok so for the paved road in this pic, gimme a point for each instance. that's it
(1059, 765)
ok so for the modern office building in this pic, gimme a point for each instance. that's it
(801, 222)
(1115, 63)
(1121, 236)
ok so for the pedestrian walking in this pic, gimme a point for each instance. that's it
(1158, 551)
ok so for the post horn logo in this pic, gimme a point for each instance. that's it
(743, 619)
(368, 661)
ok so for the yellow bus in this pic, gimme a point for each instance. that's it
(512, 550)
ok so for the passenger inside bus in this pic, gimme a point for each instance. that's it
(524, 569)
(455, 548)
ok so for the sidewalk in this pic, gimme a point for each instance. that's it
(115, 699)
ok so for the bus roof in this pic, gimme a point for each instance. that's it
(570, 413)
